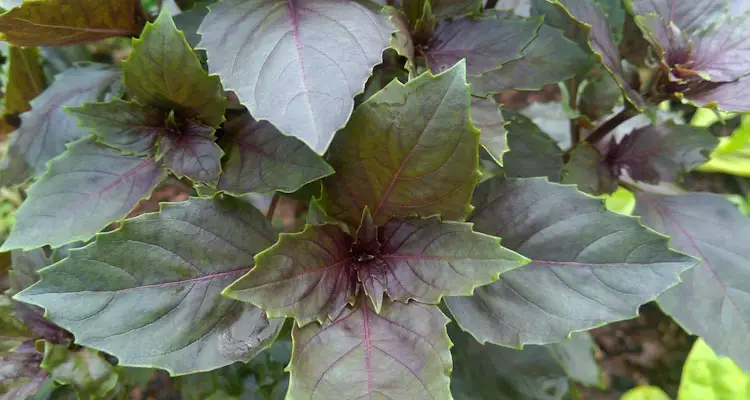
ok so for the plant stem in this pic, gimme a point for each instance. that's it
(272, 207)
(604, 129)
(575, 131)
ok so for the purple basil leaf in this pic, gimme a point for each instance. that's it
(261, 160)
(653, 154)
(589, 266)
(712, 299)
(400, 353)
(409, 149)
(600, 39)
(192, 153)
(148, 293)
(297, 65)
(401, 40)
(549, 58)
(722, 54)
(532, 152)
(588, 170)
(485, 43)
(687, 15)
(426, 259)
(455, 8)
(164, 72)
(729, 96)
(124, 125)
(47, 127)
(599, 97)
(308, 275)
(485, 114)
(84, 190)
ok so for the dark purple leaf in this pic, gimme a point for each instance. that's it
(124, 125)
(400, 353)
(652, 154)
(485, 43)
(85, 189)
(712, 300)
(307, 275)
(589, 266)
(426, 259)
(192, 152)
(261, 160)
(47, 127)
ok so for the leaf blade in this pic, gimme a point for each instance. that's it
(317, 86)
(369, 364)
(389, 169)
(575, 281)
(172, 318)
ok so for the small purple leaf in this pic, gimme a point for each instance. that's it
(687, 15)
(723, 53)
(403, 352)
(653, 154)
(308, 276)
(192, 152)
(729, 96)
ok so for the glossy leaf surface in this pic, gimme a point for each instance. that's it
(171, 317)
(410, 149)
(712, 301)
(85, 189)
(261, 160)
(403, 352)
(307, 275)
(297, 64)
(65, 22)
(47, 128)
(163, 72)
(578, 277)
(192, 153)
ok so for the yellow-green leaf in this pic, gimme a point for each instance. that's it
(710, 377)
(25, 79)
(64, 22)
(732, 155)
